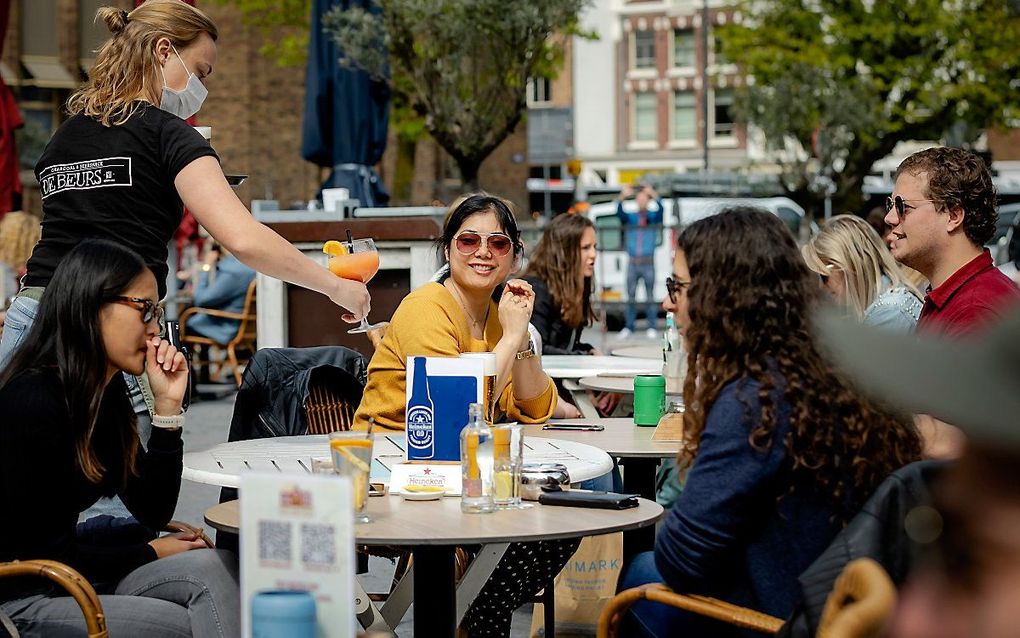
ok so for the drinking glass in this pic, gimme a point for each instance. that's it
(508, 459)
(360, 262)
(488, 360)
(352, 457)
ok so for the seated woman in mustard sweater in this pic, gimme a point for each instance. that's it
(481, 242)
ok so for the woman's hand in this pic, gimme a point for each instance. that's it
(168, 376)
(515, 306)
(176, 543)
(353, 296)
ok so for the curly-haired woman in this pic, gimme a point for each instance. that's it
(782, 450)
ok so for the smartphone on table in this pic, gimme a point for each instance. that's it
(578, 427)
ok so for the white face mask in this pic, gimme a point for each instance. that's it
(184, 103)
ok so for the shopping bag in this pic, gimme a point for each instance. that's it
(583, 587)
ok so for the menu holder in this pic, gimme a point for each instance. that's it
(445, 475)
(297, 533)
(669, 429)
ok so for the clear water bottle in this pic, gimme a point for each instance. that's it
(673, 356)
(476, 461)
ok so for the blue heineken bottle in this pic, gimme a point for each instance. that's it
(421, 428)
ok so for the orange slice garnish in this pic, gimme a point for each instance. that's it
(334, 248)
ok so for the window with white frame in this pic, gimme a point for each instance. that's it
(717, 51)
(723, 123)
(645, 117)
(685, 116)
(644, 50)
(683, 47)
(539, 91)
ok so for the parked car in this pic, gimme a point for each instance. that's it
(611, 266)
(1005, 230)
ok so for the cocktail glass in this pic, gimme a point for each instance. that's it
(352, 457)
(358, 262)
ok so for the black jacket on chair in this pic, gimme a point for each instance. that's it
(276, 382)
(876, 532)
(273, 392)
(557, 336)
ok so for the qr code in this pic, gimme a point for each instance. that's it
(274, 541)
(318, 544)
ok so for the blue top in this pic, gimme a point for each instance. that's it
(226, 292)
(727, 535)
(641, 243)
(895, 309)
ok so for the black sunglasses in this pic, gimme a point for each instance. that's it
(149, 309)
(901, 205)
(673, 286)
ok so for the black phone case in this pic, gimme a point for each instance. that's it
(580, 498)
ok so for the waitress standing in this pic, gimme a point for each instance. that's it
(126, 163)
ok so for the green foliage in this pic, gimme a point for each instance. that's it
(282, 25)
(835, 84)
(462, 65)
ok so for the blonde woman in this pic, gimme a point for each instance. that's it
(858, 271)
(126, 163)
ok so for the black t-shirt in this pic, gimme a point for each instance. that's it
(116, 183)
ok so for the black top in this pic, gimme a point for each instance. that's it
(43, 490)
(113, 182)
(557, 336)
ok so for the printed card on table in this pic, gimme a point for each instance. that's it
(439, 392)
(297, 533)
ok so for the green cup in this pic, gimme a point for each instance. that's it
(649, 399)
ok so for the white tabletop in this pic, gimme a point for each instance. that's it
(223, 464)
(619, 438)
(441, 522)
(621, 384)
(575, 366)
(639, 352)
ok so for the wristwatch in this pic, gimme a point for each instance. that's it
(528, 352)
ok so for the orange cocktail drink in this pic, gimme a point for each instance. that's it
(355, 266)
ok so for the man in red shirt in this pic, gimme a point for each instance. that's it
(941, 213)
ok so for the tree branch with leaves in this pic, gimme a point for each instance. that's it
(462, 65)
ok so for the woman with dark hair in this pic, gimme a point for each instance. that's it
(455, 315)
(560, 272)
(781, 448)
(68, 437)
(482, 244)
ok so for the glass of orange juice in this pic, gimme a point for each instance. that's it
(352, 457)
(357, 260)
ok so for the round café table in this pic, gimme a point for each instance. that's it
(621, 384)
(224, 464)
(575, 366)
(639, 455)
(432, 530)
(639, 352)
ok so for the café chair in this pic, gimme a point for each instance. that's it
(243, 339)
(859, 606)
(71, 581)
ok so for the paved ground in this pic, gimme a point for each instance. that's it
(209, 421)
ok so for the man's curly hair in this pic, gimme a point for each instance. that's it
(957, 179)
(749, 302)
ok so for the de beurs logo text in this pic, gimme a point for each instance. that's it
(99, 173)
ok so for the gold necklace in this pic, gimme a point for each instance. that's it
(463, 304)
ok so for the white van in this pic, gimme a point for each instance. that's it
(611, 264)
